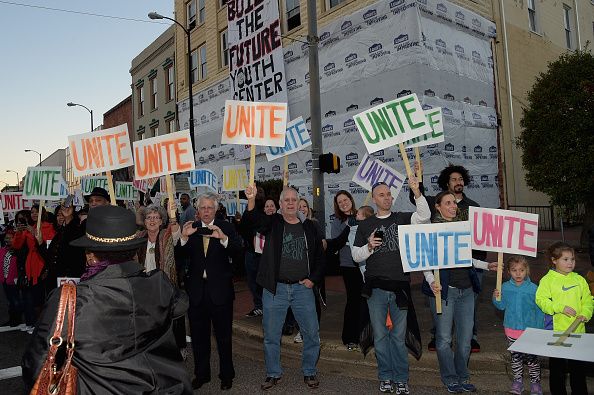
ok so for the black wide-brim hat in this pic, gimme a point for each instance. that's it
(98, 191)
(110, 228)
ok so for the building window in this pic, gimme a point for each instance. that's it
(532, 15)
(293, 14)
(170, 83)
(155, 131)
(567, 25)
(140, 95)
(171, 126)
(154, 86)
(224, 49)
(201, 11)
(191, 12)
(333, 3)
(194, 67)
(203, 72)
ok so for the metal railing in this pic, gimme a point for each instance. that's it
(546, 215)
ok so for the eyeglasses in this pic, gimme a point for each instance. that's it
(153, 218)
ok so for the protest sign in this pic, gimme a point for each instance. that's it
(231, 206)
(435, 120)
(541, 342)
(296, 138)
(1, 215)
(391, 123)
(78, 200)
(256, 64)
(503, 231)
(13, 202)
(140, 185)
(44, 183)
(161, 155)
(254, 123)
(203, 178)
(99, 151)
(372, 170)
(87, 184)
(435, 246)
(125, 191)
(235, 178)
(506, 231)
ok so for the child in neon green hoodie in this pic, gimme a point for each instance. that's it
(565, 295)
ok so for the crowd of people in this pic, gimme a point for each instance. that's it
(141, 274)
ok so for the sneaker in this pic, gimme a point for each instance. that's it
(535, 389)
(311, 381)
(516, 388)
(475, 346)
(254, 313)
(431, 345)
(467, 387)
(454, 388)
(402, 388)
(269, 383)
(386, 386)
(298, 338)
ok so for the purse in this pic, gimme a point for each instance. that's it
(63, 381)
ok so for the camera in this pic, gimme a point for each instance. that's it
(379, 234)
(201, 230)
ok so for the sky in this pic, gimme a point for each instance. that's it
(49, 58)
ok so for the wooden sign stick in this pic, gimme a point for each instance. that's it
(418, 160)
(111, 188)
(367, 197)
(409, 172)
(437, 295)
(39, 213)
(237, 201)
(252, 163)
(565, 335)
(499, 274)
(169, 183)
(286, 171)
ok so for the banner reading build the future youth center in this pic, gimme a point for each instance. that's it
(256, 65)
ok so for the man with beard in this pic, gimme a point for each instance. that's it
(453, 179)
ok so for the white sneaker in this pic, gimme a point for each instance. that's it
(298, 338)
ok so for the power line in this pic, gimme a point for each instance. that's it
(80, 12)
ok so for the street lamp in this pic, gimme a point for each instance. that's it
(18, 178)
(155, 15)
(85, 107)
(32, 150)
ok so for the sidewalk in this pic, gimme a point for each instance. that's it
(489, 364)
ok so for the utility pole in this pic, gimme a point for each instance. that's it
(315, 113)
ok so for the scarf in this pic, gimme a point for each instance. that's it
(94, 269)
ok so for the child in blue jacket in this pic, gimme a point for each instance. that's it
(521, 312)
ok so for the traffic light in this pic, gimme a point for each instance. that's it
(329, 163)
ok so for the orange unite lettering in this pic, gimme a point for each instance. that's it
(262, 108)
(167, 144)
(75, 153)
(243, 120)
(153, 157)
(119, 147)
(273, 120)
(107, 140)
(228, 131)
(93, 152)
(139, 169)
(179, 151)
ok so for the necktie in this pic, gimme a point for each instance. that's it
(205, 241)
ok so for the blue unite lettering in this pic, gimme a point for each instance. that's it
(429, 249)
(460, 244)
(445, 236)
(417, 262)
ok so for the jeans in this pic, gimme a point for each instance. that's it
(479, 274)
(390, 350)
(252, 261)
(301, 300)
(458, 308)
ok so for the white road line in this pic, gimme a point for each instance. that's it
(10, 373)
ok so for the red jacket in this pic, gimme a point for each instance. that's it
(12, 269)
(34, 263)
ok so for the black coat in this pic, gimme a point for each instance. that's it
(124, 342)
(272, 226)
(217, 265)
